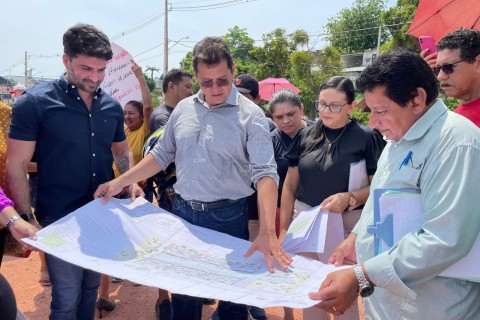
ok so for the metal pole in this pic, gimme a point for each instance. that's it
(165, 41)
(26, 70)
(379, 38)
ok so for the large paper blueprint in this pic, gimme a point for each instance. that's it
(143, 243)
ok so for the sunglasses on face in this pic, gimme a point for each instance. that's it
(219, 82)
(334, 108)
(446, 68)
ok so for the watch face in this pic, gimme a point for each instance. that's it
(366, 291)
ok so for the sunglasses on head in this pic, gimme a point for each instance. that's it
(446, 68)
(219, 82)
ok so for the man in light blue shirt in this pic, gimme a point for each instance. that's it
(404, 282)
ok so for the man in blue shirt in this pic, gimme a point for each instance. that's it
(77, 130)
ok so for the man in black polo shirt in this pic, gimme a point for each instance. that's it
(77, 130)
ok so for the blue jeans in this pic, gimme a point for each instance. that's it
(74, 290)
(232, 220)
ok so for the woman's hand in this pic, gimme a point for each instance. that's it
(336, 203)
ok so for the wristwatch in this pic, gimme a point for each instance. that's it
(351, 200)
(365, 289)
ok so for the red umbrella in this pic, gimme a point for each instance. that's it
(269, 86)
(436, 18)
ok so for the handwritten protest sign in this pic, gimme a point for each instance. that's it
(120, 82)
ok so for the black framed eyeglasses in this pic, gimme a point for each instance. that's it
(446, 68)
(334, 108)
(222, 82)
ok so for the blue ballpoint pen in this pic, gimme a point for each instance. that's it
(405, 161)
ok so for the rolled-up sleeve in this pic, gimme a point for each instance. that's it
(260, 149)
(164, 150)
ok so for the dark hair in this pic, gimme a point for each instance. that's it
(138, 105)
(401, 72)
(467, 40)
(284, 95)
(175, 76)
(211, 51)
(88, 40)
(341, 84)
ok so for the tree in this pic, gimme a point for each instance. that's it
(308, 71)
(150, 83)
(240, 45)
(187, 65)
(271, 60)
(356, 29)
(397, 21)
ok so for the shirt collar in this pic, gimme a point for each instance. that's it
(423, 124)
(232, 100)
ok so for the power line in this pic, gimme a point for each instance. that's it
(212, 6)
(139, 25)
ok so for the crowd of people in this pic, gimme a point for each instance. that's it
(80, 145)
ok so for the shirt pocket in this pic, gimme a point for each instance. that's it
(406, 177)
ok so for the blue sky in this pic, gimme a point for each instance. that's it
(37, 26)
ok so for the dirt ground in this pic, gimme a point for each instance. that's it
(133, 302)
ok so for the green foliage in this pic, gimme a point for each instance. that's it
(157, 97)
(356, 28)
(271, 60)
(402, 13)
(451, 103)
(187, 65)
(150, 83)
(310, 69)
(358, 114)
(240, 45)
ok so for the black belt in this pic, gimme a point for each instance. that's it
(206, 206)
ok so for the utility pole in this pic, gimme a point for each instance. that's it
(379, 39)
(26, 70)
(165, 40)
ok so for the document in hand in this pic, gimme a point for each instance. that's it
(140, 242)
(358, 177)
(314, 230)
(398, 212)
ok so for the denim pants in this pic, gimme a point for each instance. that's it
(74, 290)
(232, 220)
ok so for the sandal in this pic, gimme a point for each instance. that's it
(104, 304)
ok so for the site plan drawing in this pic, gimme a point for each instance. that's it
(145, 244)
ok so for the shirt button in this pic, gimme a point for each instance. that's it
(385, 173)
(78, 98)
(94, 154)
(93, 134)
(94, 174)
(90, 115)
(73, 87)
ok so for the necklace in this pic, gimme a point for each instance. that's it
(332, 142)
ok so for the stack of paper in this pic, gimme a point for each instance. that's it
(314, 230)
(398, 212)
